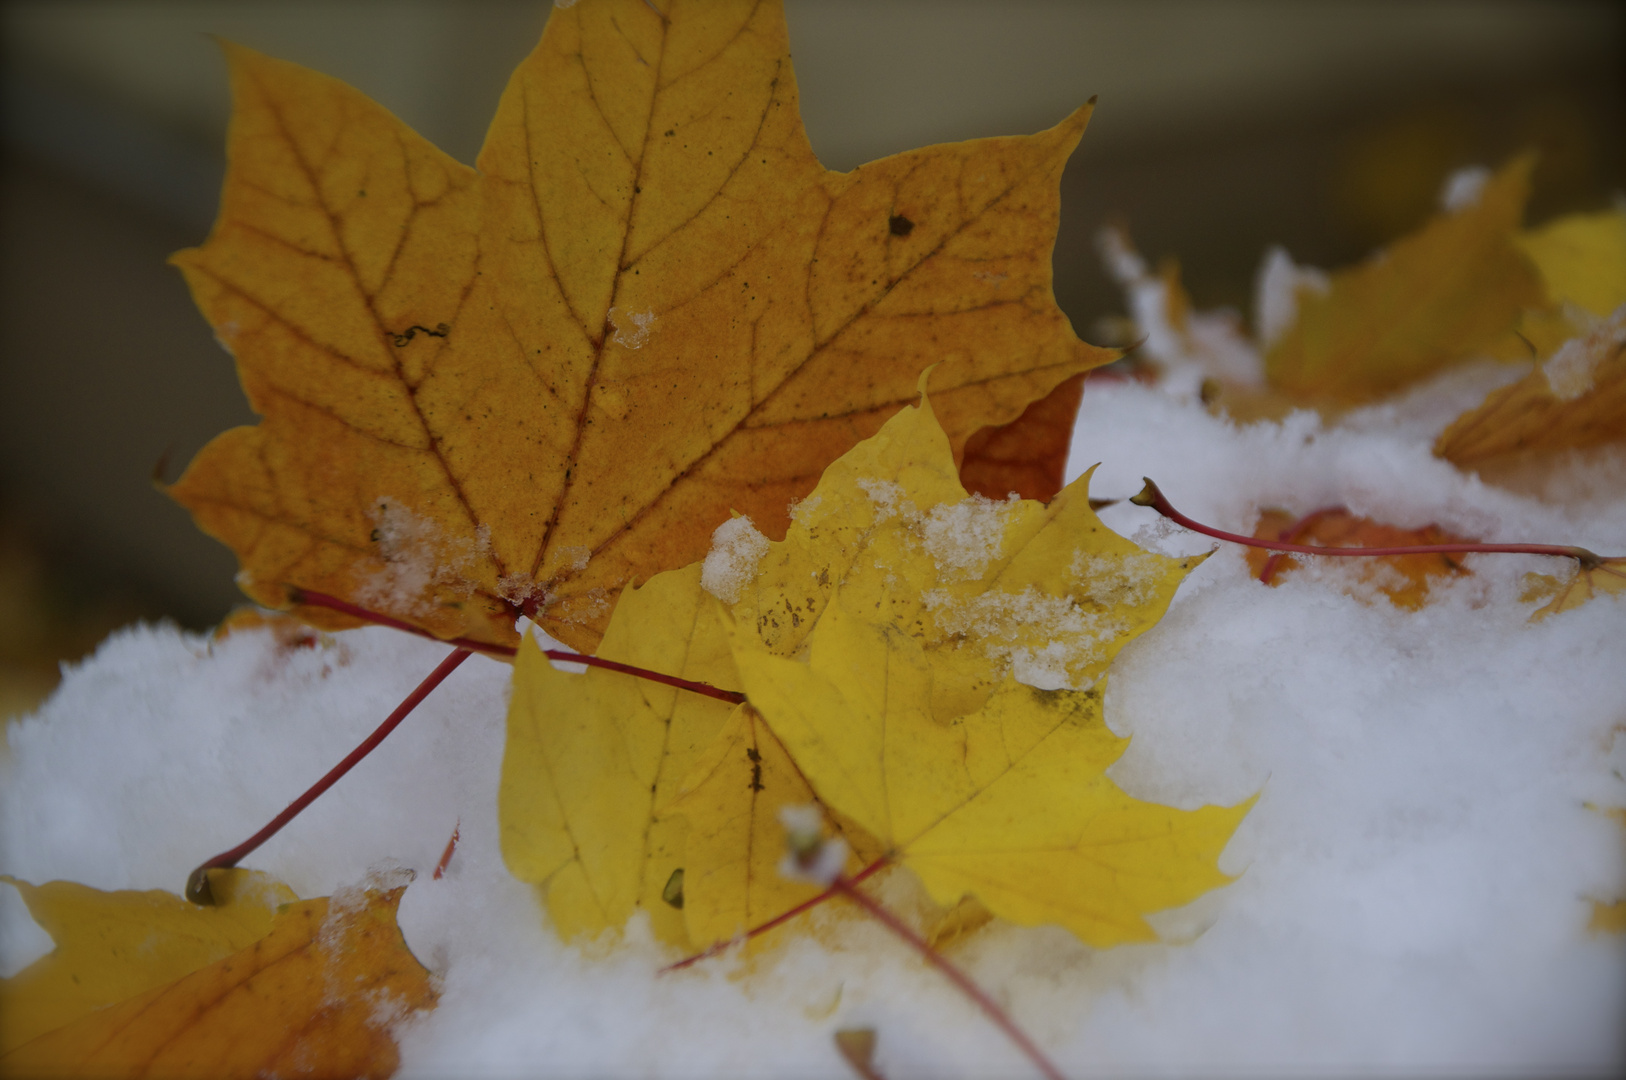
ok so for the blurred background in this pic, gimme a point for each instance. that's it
(1223, 126)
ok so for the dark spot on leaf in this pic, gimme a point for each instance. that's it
(400, 340)
(900, 225)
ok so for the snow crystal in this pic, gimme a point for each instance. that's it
(1113, 580)
(736, 549)
(810, 855)
(964, 537)
(1276, 294)
(632, 328)
(802, 510)
(519, 587)
(1005, 625)
(1572, 369)
(418, 556)
(1462, 188)
(887, 499)
(1190, 346)
(1122, 261)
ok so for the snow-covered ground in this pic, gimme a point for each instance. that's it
(1414, 882)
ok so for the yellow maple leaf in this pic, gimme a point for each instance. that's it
(1577, 396)
(523, 386)
(611, 785)
(1582, 259)
(1010, 804)
(1448, 292)
(313, 996)
(1568, 593)
(114, 945)
(594, 762)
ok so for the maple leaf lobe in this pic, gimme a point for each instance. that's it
(656, 304)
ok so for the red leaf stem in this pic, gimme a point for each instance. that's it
(333, 603)
(378, 618)
(1154, 498)
(724, 946)
(959, 978)
(197, 883)
(1291, 534)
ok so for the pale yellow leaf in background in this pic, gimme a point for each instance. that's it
(1576, 396)
(114, 945)
(1582, 259)
(1441, 295)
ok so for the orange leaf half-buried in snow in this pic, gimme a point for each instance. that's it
(315, 997)
(1404, 579)
(521, 386)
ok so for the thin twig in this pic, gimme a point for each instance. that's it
(1152, 497)
(333, 603)
(1291, 534)
(755, 931)
(197, 883)
(959, 978)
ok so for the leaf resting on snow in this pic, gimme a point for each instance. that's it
(314, 997)
(534, 382)
(114, 945)
(610, 784)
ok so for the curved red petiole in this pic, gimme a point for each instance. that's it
(197, 883)
(960, 979)
(333, 603)
(848, 887)
(777, 920)
(1291, 534)
(1154, 498)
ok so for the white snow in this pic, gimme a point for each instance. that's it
(1462, 188)
(964, 537)
(1276, 294)
(736, 549)
(632, 328)
(417, 555)
(1572, 370)
(1188, 346)
(1413, 884)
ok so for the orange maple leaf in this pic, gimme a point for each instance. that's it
(314, 997)
(1404, 579)
(1028, 455)
(517, 387)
